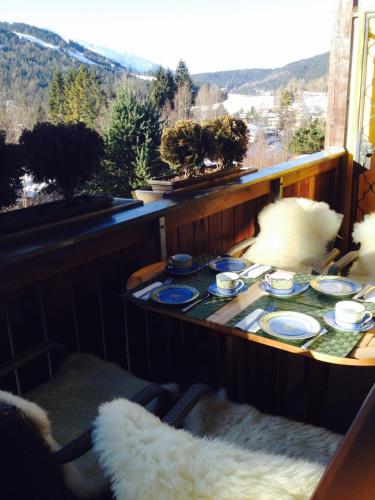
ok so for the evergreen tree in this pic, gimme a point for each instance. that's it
(82, 97)
(286, 115)
(182, 76)
(141, 163)
(307, 140)
(56, 98)
(163, 88)
(68, 98)
(132, 145)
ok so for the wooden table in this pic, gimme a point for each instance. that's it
(362, 355)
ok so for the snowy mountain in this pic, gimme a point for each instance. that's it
(125, 59)
(60, 49)
(73, 52)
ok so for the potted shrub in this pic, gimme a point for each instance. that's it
(65, 156)
(10, 173)
(226, 140)
(62, 157)
(186, 145)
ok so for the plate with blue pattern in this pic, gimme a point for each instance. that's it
(213, 289)
(223, 264)
(175, 271)
(289, 325)
(296, 290)
(174, 295)
(336, 286)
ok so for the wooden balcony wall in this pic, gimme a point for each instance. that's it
(66, 285)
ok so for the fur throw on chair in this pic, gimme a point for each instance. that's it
(148, 460)
(294, 234)
(215, 416)
(363, 268)
(72, 477)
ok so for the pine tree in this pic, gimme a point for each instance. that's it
(286, 115)
(141, 172)
(82, 97)
(132, 145)
(163, 88)
(68, 94)
(182, 76)
(56, 99)
(307, 140)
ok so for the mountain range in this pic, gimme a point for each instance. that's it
(82, 51)
(29, 55)
(312, 71)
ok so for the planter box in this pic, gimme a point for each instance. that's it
(57, 212)
(168, 185)
(148, 195)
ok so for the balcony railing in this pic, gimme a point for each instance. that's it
(66, 284)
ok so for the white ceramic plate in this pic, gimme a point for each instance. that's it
(337, 286)
(289, 325)
(174, 294)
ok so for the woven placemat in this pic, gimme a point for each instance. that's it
(314, 298)
(335, 342)
(200, 280)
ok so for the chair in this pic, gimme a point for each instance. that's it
(359, 264)
(147, 459)
(33, 464)
(296, 234)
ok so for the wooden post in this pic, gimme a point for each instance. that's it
(339, 70)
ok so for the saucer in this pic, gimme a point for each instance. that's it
(329, 318)
(223, 264)
(183, 271)
(295, 290)
(214, 290)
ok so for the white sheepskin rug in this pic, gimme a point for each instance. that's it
(363, 268)
(146, 459)
(294, 234)
(72, 477)
(245, 426)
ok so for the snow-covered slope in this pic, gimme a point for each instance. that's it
(36, 40)
(71, 52)
(127, 60)
(89, 53)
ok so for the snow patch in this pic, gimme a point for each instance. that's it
(125, 59)
(36, 40)
(80, 57)
(143, 77)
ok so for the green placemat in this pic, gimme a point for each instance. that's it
(314, 298)
(200, 281)
(335, 342)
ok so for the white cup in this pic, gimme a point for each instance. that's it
(349, 313)
(280, 280)
(228, 282)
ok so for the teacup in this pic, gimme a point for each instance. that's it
(181, 261)
(350, 314)
(228, 282)
(280, 280)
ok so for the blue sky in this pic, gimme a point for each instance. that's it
(208, 34)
